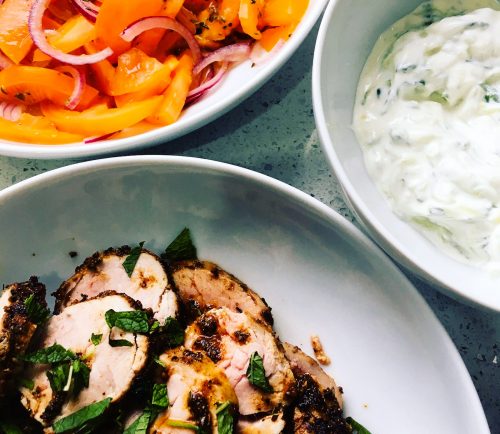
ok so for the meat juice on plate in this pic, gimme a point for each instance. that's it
(427, 116)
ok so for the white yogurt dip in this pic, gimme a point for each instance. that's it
(427, 115)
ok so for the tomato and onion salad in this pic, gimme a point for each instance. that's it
(80, 70)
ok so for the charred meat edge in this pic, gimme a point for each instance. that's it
(194, 308)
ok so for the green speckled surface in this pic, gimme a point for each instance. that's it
(273, 132)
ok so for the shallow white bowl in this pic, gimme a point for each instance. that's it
(241, 82)
(399, 369)
(346, 37)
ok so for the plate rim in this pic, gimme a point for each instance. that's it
(306, 203)
(165, 134)
(383, 238)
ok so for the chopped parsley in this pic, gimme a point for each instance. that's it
(131, 260)
(181, 249)
(256, 373)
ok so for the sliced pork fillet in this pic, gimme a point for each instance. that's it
(18, 325)
(230, 339)
(203, 285)
(112, 368)
(196, 388)
(270, 424)
(318, 402)
(104, 271)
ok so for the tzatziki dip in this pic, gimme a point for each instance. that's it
(427, 116)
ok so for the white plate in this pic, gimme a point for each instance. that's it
(241, 82)
(399, 369)
(347, 34)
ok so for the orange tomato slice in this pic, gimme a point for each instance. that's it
(15, 39)
(103, 121)
(32, 84)
(174, 98)
(35, 129)
(283, 12)
(249, 13)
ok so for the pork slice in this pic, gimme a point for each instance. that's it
(113, 369)
(203, 286)
(17, 327)
(230, 339)
(196, 387)
(104, 271)
(317, 408)
(269, 424)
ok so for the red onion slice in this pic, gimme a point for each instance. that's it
(203, 88)
(259, 55)
(37, 34)
(99, 138)
(230, 53)
(5, 62)
(88, 9)
(148, 23)
(10, 111)
(80, 82)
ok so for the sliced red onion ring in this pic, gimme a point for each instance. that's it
(230, 53)
(203, 88)
(10, 111)
(5, 62)
(148, 23)
(37, 34)
(259, 55)
(80, 82)
(88, 9)
(99, 138)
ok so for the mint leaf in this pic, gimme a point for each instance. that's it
(256, 374)
(79, 418)
(173, 331)
(37, 313)
(141, 424)
(357, 428)
(134, 321)
(26, 382)
(96, 339)
(160, 396)
(131, 260)
(54, 354)
(58, 377)
(119, 343)
(81, 375)
(225, 419)
(182, 248)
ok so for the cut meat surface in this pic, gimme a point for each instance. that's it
(104, 271)
(270, 424)
(196, 387)
(230, 339)
(203, 286)
(318, 401)
(17, 326)
(113, 369)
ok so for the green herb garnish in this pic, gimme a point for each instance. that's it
(10, 428)
(182, 424)
(182, 248)
(438, 97)
(356, 426)
(160, 396)
(173, 331)
(134, 321)
(157, 360)
(119, 343)
(59, 376)
(81, 417)
(36, 312)
(225, 419)
(131, 260)
(54, 354)
(96, 339)
(25, 382)
(490, 93)
(256, 374)
(141, 424)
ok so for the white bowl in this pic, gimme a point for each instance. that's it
(319, 273)
(346, 37)
(241, 82)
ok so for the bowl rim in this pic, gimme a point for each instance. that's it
(302, 200)
(182, 126)
(383, 237)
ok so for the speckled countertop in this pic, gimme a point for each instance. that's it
(273, 132)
